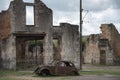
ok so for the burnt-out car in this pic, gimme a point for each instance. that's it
(57, 68)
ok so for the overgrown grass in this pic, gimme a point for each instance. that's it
(12, 72)
(3, 78)
(100, 72)
(6, 74)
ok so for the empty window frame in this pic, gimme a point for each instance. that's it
(30, 1)
(29, 15)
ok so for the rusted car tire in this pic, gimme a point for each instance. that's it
(45, 72)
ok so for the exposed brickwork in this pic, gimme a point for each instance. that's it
(69, 48)
(92, 49)
(5, 24)
(106, 46)
(110, 32)
(15, 35)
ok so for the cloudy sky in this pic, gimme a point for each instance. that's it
(97, 12)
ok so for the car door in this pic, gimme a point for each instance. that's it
(61, 68)
(69, 68)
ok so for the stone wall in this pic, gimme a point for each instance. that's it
(108, 41)
(110, 32)
(92, 53)
(5, 24)
(4, 27)
(43, 20)
(98, 51)
(8, 57)
(18, 15)
(14, 21)
(109, 58)
(14, 33)
(70, 43)
(68, 37)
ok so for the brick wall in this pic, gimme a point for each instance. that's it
(4, 25)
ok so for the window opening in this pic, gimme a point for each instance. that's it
(30, 1)
(29, 15)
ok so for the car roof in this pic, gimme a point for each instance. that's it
(66, 62)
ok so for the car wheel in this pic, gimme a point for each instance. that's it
(45, 73)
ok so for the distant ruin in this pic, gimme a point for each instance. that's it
(103, 48)
(19, 41)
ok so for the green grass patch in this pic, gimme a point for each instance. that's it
(12, 72)
(100, 72)
(6, 72)
(3, 78)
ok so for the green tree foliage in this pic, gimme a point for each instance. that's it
(84, 39)
(34, 43)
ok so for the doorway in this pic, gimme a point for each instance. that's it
(29, 50)
(57, 49)
(102, 57)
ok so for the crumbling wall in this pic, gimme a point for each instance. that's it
(20, 50)
(14, 34)
(98, 51)
(18, 15)
(8, 56)
(43, 21)
(70, 43)
(4, 27)
(57, 42)
(109, 58)
(92, 53)
(57, 32)
(108, 42)
(110, 32)
(104, 45)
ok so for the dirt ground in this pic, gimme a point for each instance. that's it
(86, 77)
(81, 77)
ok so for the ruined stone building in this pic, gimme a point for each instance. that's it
(57, 42)
(103, 48)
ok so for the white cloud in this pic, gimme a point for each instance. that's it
(63, 5)
(69, 17)
(95, 19)
(100, 11)
(89, 28)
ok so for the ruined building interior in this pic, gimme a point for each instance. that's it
(23, 45)
(103, 48)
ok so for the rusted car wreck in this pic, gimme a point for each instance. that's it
(57, 68)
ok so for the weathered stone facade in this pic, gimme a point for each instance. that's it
(103, 48)
(110, 32)
(69, 39)
(15, 36)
